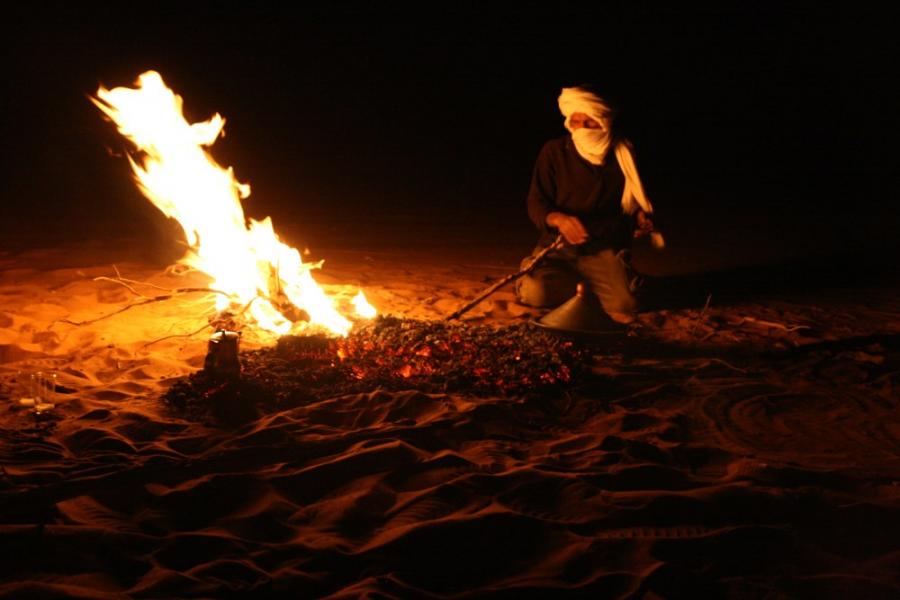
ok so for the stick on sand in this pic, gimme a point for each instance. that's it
(496, 286)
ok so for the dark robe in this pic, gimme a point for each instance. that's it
(564, 182)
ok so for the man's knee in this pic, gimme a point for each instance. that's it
(550, 284)
(534, 292)
(622, 302)
(609, 277)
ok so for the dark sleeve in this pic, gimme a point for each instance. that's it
(542, 193)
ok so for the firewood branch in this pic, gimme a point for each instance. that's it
(171, 291)
(214, 323)
(123, 283)
(177, 335)
(772, 324)
(151, 300)
(130, 284)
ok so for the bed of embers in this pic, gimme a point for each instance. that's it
(391, 353)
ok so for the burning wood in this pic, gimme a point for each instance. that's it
(249, 263)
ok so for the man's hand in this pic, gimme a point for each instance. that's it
(644, 224)
(570, 227)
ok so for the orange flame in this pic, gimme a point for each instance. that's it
(176, 173)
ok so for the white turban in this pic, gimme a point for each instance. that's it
(593, 145)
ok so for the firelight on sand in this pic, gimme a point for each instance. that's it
(251, 264)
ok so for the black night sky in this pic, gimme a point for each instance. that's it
(761, 134)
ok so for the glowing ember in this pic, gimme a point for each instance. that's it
(182, 180)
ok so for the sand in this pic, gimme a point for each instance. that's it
(748, 447)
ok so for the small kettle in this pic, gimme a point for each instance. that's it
(222, 359)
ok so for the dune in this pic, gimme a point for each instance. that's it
(739, 448)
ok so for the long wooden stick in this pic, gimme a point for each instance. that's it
(525, 271)
(146, 300)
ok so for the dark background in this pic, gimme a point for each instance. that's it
(761, 134)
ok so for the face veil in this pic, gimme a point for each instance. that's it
(592, 144)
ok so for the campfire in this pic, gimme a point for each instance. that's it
(262, 283)
(254, 274)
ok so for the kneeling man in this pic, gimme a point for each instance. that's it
(586, 187)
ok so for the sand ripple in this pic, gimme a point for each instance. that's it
(749, 468)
